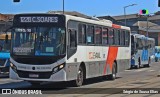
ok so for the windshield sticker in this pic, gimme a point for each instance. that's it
(49, 49)
(23, 30)
(22, 50)
(38, 53)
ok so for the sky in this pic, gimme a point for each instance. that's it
(88, 7)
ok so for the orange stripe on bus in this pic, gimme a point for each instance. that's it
(112, 55)
(116, 26)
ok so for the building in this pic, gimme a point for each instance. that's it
(138, 24)
(5, 22)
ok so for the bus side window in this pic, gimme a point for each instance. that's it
(127, 38)
(122, 38)
(111, 37)
(98, 35)
(81, 33)
(90, 34)
(105, 36)
(72, 38)
(116, 37)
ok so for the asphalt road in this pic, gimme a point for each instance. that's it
(143, 82)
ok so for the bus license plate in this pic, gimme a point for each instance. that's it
(34, 75)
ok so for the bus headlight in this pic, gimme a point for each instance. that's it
(58, 68)
(61, 66)
(13, 67)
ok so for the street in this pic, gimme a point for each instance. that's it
(133, 79)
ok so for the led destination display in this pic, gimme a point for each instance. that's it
(39, 19)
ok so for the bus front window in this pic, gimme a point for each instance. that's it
(39, 41)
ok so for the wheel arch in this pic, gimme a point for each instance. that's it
(115, 61)
(82, 64)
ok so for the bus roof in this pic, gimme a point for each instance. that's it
(101, 22)
(98, 22)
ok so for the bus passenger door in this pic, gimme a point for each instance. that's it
(71, 64)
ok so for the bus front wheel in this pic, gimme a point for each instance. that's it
(80, 77)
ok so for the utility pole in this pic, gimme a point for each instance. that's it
(63, 6)
(125, 12)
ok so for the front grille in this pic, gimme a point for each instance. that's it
(42, 75)
(37, 60)
(2, 62)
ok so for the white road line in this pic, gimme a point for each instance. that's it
(138, 70)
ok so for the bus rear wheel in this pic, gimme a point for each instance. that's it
(80, 77)
(149, 62)
(139, 64)
(113, 75)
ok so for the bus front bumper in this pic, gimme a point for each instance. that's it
(58, 76)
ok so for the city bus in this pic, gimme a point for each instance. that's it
(58, 47)
(142, 50)
(4, 53)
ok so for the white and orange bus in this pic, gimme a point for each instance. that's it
(57, 47)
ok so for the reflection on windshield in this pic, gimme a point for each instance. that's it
(39, 41)
(5, 47)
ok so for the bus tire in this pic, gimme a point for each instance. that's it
(149, 62)
(139, 64)
(113, 75)
(80, 77)
(156, 59)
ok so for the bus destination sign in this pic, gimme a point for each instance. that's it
(39, 19)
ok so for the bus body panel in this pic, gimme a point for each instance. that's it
(123, 58)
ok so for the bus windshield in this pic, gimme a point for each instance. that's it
(38, 41)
